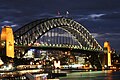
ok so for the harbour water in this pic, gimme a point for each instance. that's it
(93, 75)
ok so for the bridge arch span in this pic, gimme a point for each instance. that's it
(24, 35)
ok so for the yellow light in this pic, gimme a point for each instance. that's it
(7, 36)
(107, 45)
(109, 59)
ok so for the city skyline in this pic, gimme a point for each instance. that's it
(100, 17)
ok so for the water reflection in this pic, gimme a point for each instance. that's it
(93, 75)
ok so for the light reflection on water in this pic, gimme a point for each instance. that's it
(93, 75)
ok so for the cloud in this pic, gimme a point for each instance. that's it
(113, 15)
(107, 36)
(14, 25)
(96, 35)
(6, 22)
(43, 15)
(98, 17)
(113, 34)
(95, 16)
(91, 17)
(10, 10)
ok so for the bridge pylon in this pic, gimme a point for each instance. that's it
(107, 54)
(7, 42)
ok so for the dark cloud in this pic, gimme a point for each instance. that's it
(62, 4)
(114, 15)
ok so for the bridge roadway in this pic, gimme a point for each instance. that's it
(61, 48)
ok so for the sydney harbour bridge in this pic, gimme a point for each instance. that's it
(60, 34)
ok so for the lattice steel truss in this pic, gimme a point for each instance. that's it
(29, 33)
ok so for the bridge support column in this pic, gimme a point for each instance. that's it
(7, 41)
(94, 60)
(107, 54)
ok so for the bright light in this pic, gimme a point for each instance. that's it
(57, 64)
(1, 62)
(105, 66)
(76, 65)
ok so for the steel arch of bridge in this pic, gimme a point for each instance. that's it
(29, 33)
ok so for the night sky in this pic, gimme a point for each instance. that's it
(100, 17)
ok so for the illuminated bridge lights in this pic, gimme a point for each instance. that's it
(2, 43)
(72, 46)
(57, 45)
(60, 45)
(89, 49)
(53, 45)
(85, 41)
(49, 44)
